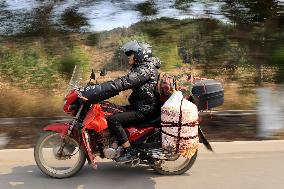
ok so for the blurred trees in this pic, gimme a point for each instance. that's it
(73, 20)
(247, 48)
(259, 27)
(40, 20)
(253, 38)
(147, 8)
(39, 23)
(182, 4)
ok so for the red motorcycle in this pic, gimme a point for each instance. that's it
(64, 147)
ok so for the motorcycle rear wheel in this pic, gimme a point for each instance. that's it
(67, 165)
(176, 166)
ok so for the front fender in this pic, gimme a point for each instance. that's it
(62, 128)
(57, 127)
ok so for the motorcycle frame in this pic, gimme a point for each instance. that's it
(84, 140)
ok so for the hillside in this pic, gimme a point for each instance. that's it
(35, 69)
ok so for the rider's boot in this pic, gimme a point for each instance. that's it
(127, 154)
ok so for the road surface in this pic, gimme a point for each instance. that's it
(234, 165)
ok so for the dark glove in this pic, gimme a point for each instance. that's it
(100, 92)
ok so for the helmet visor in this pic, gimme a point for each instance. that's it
(129, 53)
(131, 46)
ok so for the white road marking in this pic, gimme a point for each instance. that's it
(16, 183)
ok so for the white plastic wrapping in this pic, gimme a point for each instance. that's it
(179, 125)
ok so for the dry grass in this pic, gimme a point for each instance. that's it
(17, 103)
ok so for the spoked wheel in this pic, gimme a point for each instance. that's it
(52, 162)
(175, 165)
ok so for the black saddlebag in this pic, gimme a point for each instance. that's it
(207, 94)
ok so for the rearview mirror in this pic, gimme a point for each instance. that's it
(93, 74)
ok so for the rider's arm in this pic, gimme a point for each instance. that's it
(132, 79)
(103, 91)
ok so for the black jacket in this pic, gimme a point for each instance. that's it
(142, 79)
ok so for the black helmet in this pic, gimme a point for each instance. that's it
(141, 50)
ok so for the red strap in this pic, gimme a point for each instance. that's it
(183, 138)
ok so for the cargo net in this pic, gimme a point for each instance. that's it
(180, 130)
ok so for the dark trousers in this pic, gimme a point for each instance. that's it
(118, 121)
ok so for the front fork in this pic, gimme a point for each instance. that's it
(68, 132)
(86, 140)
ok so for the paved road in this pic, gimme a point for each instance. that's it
(234, 165)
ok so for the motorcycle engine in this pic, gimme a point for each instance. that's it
(113, 151)
(109, 144)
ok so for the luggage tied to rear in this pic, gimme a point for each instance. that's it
(179, 121)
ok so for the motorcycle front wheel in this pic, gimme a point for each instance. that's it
(58, 165)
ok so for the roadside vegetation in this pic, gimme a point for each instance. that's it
(34, 70)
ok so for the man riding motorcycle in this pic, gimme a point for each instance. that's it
(144, 102)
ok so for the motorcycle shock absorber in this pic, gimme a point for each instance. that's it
(68, 133)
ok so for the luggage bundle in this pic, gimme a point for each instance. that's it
(183, 99)
(179, 120)
(205, 93)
